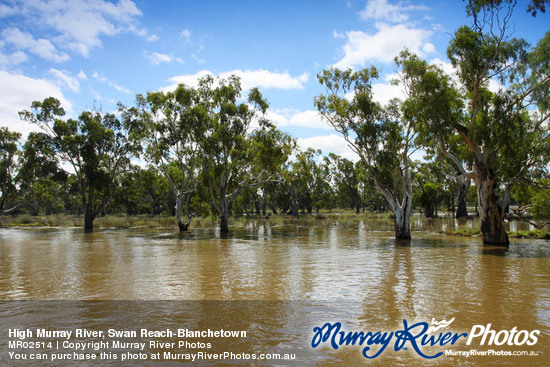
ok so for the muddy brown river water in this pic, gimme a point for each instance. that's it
(278, 282)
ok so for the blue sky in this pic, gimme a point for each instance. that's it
(96, 53)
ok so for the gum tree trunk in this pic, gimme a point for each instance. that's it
(224, 226)
(490, 214)
(402, 223)
(461, 209)
(182, 226)
(224, 215)
(401, 212)
(88, 218)
(295, 201)
(491, 219)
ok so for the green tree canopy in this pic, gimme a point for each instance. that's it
(96, 145)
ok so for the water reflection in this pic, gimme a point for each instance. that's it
(358, 272)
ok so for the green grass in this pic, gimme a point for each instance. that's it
(161, 221)
(474, 232)
(530, 234)
(465, 231)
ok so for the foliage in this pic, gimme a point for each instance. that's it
(380, 136)
(8, 165)
(97, 146)
(235, 155)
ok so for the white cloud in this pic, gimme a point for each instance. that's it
(12, 59)
(277, 118)
(41, 47)
(65, 80)
(381, 10)
(332, 143)
(152, 38)
(293, 118)
(384, 92)
(337, 35)
(494, 86)
(99, 77)
(6, 11)
(120, 88)
(102, 78)
(383, 46)
(17, 92)
(191, 80)
(249, 78)
(186, 34)
(157, 58)
(448, 69)
(79, 24)
(143, 33)
(82, 75)
(267, 79)
(199, 60)
(310, 119)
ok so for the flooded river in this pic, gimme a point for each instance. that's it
(279, 282)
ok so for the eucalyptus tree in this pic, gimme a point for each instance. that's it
(505, 132)
(323, 193)
(301, 177)
(235, 154)
(96, 145)
(143, 191)
(171, 125)
(379, 135)
(346, 181)
(433, 186)
(435, 104)
(8, 166)
(41, 179)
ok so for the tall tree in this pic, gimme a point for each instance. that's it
(434, 103)
(96, 146)
(235, 154)
(380, 136)
(506, 131)
(8, 166)
(172, 124)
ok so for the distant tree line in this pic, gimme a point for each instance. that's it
(205, 150)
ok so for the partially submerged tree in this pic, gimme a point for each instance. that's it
(172, 124)
(236, 156)
(380, 136)
(434, 104)
(506, 131)
(96, 146)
